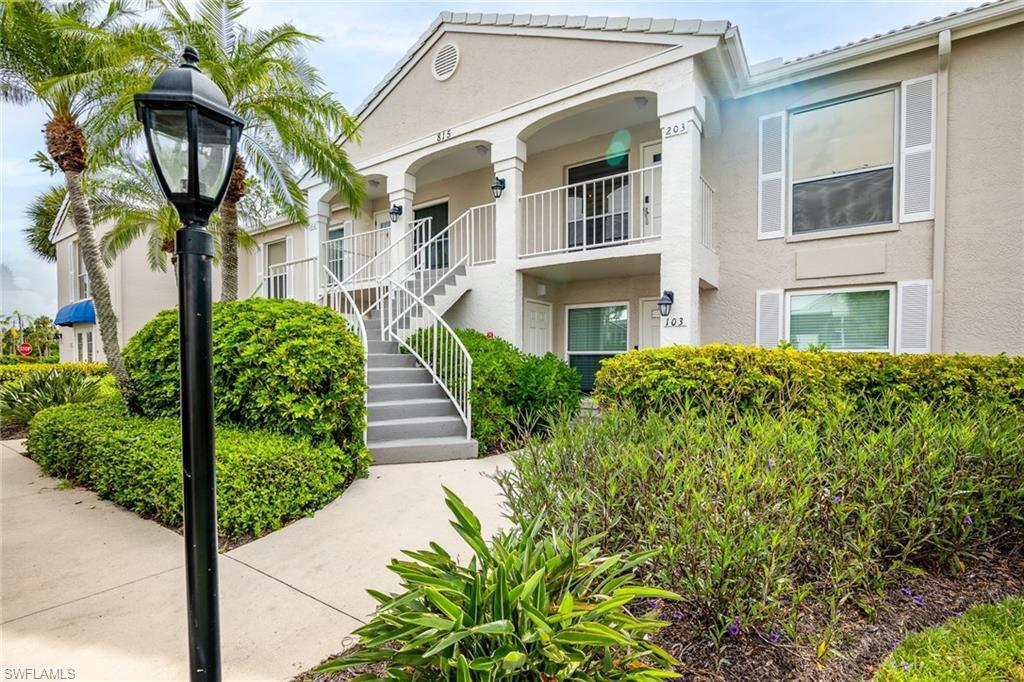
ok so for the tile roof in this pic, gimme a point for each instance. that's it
(894, 31)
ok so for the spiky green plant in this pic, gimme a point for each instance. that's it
(530, 605)
(21, 399)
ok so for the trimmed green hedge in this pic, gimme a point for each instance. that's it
(281, 365)
(513, 393)
(30, 359)
(757, 378)
(264, 479)
(89, 369)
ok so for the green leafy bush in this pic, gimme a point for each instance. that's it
(264, 479)
(777, 379)
(513, 393)
(21, 399)
(30, 359)
(529, 606)
(89, 369)
(281, 365)
(986, 643)
(755, 513)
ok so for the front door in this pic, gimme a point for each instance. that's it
(537, 327)
(651, 194)
(437, 255)
(650, 323)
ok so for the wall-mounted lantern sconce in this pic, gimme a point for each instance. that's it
(395, 212)
(665, 303)
(497, 187)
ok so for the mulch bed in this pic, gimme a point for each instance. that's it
(13, 431)
(860, 642)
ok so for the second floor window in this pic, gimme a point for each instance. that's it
(82, 287)
(843, 164)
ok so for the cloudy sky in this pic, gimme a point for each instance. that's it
(362, 41)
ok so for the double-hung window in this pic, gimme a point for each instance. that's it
(83, 289)
(843, 164)
(594, 333)
(849, 319)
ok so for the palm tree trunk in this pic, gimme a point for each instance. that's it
(229, 231)
(105, 316)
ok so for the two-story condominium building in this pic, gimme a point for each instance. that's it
(550, 179)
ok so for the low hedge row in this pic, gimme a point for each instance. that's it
(28, 359)
(773, 379)
(281, 365)
(89, 369)
(264, 479)
(513, 393)
(753, 514)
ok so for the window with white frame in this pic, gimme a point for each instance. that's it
(80, 347)
(849, 319)
(594, 333)
(89, 356)
(83, 288)
(843, 164)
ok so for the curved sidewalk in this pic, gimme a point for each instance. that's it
(95, 591)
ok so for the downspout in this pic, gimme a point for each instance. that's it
(939, 225)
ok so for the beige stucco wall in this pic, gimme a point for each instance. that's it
(494, 71)
(984, 292)
(984, 252)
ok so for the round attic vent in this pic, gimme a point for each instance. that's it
(446, 60)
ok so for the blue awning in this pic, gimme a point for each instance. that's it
(81, 312)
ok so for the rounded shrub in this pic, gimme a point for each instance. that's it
(546, 390)
(281, 365)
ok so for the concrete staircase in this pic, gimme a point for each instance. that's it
(411, 418)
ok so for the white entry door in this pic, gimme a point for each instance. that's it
(536, 327)
(651, 153)
(650, 323)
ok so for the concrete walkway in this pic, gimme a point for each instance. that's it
(91, 588)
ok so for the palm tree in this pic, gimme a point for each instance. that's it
(42, 213)
(54, 55)
(290, 120)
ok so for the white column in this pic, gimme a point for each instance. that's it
(504, 293)
(681, 122)
(401, 192)
(318, 212)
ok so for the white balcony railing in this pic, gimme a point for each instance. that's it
(610, 211)
(707, 204)
(286, 280)
(347, 255)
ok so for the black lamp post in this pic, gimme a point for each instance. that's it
(192, 137)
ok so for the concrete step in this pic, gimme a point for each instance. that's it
(420, 407)
(397, 375)
(423, 450)
(379, 360)
(390, 392)
(414, 427)
(383, 347)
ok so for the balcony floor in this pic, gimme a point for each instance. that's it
(642, 258)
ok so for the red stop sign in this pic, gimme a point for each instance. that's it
(24, 348)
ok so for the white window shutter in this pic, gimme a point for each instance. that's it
(768, 319)
(914, 317)
(771, 176)
(289, 270)
(260, 260)
(917, 150)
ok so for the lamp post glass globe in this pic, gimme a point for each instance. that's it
(192, 136)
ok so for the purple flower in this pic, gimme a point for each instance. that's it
(918, 600)
(774, 636)
(734, 627)
(957, 614)
(905, 665)
(677, 616)
(837, 499)
(906, 592)
(968, 520)
(771, 463)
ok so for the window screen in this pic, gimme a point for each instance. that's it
(597, 329)
(843, 164)
(845, 320)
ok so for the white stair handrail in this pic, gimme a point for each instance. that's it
(339, 299)
(439, 351)
(381, 259)
(284, 272)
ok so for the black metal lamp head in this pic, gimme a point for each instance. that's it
(192, 136)
(665, 303)
(395, 213)
(497, 187)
